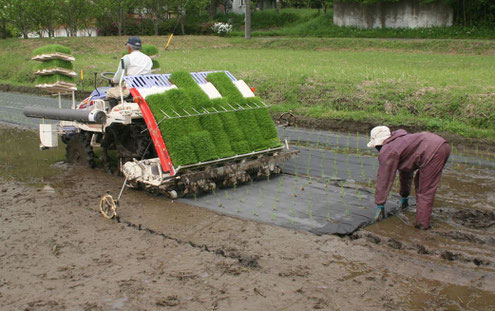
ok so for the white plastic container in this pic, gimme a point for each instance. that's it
(48, 135)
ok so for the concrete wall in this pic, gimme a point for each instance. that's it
(402, 14)
(239, 7)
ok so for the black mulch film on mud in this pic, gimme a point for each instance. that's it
(327, 189)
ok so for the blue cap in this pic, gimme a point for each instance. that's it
(135, 41)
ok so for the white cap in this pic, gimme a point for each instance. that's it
(378, 135)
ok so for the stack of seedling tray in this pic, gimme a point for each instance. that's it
(55, 71)
(197, 129)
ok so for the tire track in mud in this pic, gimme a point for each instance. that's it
(421, 249)
(247, 261)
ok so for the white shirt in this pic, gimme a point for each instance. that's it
(136, 63)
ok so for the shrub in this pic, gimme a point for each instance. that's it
(149, 50)
(52, 48)
(156, 64)
(221, 28)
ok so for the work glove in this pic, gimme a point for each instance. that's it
(404, 202)
(380, 212)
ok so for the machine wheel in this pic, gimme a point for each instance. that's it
(79, 150)
(108, 206)
(125, 142)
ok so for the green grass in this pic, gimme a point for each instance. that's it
(368, 85)
(439, 85)
(149, 49)
(203, 145)
(52, 48)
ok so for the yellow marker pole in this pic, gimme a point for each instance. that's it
(82, 81)
(169, 40)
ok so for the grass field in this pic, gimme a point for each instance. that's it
(440, 85)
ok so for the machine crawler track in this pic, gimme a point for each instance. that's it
(78, 149)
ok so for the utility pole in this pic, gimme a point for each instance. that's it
(247, 22)
(277, 6)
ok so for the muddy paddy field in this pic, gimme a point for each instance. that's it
(244, 248)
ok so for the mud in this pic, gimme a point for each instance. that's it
(58, 253)
(475, 219)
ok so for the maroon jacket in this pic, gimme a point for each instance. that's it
(406, 153)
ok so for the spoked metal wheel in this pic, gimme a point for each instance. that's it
(108, 206)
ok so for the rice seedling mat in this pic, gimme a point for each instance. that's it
(55, 72)
(196, 126)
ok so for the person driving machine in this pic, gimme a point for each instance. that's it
(134, 63)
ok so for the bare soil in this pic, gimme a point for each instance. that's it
(58, 253)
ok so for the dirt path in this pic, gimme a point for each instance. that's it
(58, 253)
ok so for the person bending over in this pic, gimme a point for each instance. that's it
(423, 152)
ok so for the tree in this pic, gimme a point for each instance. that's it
(19, 13)
(3, 18)
(157, 11)
(247, 25)
(115, 11)
(46, 16)
(325, 4)
(75, 14)
(189, 8)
